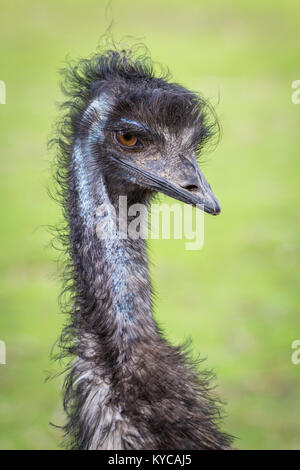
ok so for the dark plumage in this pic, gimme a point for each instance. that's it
(126, 387)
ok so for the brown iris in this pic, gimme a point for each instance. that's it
(126, 139)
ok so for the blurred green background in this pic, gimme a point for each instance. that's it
(238, 298)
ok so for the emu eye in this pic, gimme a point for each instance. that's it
(126, 139)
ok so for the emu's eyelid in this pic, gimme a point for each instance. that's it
(135, 123)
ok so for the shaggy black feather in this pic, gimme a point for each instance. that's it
(126, 386)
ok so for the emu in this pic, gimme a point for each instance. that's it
(127, 132)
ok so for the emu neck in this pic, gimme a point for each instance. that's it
(113, 286)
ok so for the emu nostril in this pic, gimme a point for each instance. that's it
(190, 187)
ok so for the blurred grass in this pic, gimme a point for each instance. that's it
(238, 298)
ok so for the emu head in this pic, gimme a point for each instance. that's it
(146, 132)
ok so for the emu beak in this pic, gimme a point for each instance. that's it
(200, 195)
(180, 178)
(205, 194)
(194, 191)
(186, 182)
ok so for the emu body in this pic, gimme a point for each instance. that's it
(127, 388)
